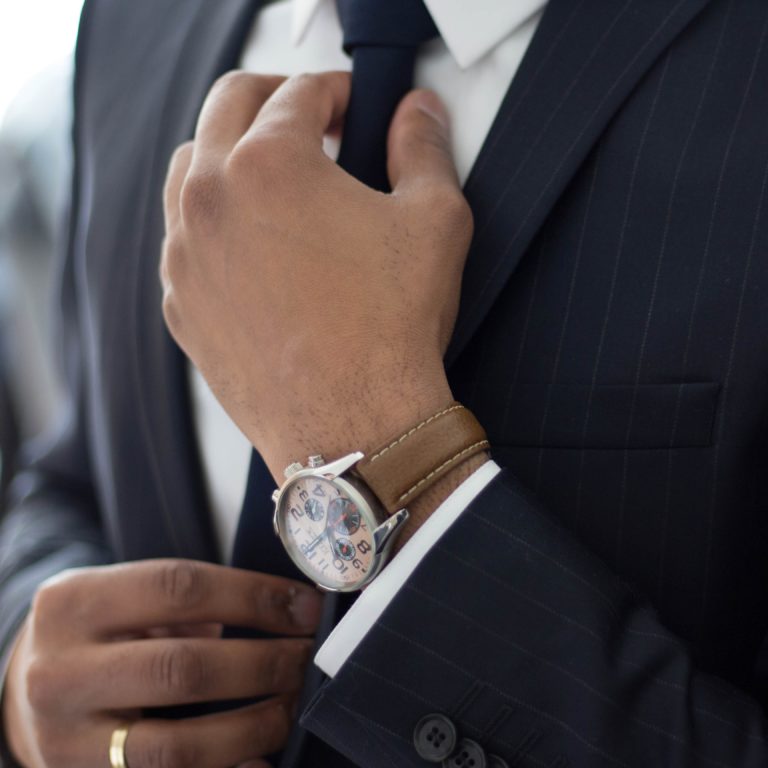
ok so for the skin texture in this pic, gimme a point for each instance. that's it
(101, 644)
(319, 311)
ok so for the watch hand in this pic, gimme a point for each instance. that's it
(327, 532)
(315, 542)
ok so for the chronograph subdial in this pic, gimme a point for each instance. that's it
(314, 509)
(343, 516)
(344, 549)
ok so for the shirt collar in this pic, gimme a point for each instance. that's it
(470, 30)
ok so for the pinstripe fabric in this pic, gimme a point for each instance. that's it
(605, 601)
(611, 589)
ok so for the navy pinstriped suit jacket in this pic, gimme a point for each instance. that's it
(605, 601)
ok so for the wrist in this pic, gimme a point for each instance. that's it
(362, 423)
(359, 517)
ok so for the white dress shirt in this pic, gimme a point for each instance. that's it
(470, 67)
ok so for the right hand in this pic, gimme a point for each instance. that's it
(101, 644)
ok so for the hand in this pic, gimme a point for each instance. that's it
(318, 309)
(99, 646)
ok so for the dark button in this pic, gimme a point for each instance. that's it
(494, 761)
(469, 754)
(434, 738)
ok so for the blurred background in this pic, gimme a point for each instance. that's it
(37, 40)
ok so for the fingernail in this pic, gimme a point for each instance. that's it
(430, 102)
(306, 608)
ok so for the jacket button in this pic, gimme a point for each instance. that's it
(468, 754)
(434, 738)
(494, 761)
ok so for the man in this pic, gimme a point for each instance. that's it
(600, 601)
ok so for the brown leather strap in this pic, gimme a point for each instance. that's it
(409, 464)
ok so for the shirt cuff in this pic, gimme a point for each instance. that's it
(367, 609)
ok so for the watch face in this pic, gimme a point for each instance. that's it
(327, 531)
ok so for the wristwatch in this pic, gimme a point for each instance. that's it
(339, 519)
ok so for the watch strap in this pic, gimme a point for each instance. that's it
(406, 466)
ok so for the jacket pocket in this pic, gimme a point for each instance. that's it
(610, 416)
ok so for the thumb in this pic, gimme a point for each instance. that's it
(419, 144)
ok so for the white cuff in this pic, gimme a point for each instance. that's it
(367, 609)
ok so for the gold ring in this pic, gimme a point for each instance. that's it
(117, 747)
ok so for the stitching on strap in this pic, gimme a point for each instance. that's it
(473, 447)
(411, 431)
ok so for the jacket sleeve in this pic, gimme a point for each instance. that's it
(535, 650)
(53, 520)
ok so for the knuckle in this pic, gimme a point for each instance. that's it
(54, 746)
(181, 583)
(275, 669)
(307, 81)
(42, 686)
(273, 604)
(179, 670)
(238, 84)
(200, 199)
(247, 155)
(287, 666)
(415, 123)
(261, 155)
(181, 154)
(173, 260)
(415, 130)
(172, 751)
(171, 313)
(269, 731)
(43, 607)
(234, 79)
(54, 599)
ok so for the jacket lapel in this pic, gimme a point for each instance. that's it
(212, 46)
(583, 62)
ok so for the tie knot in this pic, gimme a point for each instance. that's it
(385, 23)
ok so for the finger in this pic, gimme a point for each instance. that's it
(177, 172)
(212, 741)
(418, 145)
(305, 105)
(118, 600)
(229, 110)
(160, 673)
(185, 630)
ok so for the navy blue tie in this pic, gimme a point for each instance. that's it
(383, 38)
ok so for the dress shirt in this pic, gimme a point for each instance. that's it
(470, 67)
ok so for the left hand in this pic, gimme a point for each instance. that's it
(318, 309)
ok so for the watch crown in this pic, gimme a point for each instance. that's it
(315, 461)
(292, 469)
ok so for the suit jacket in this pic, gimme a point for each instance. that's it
(605, 600)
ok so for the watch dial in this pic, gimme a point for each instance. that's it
(326, 532)
(343, 516)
